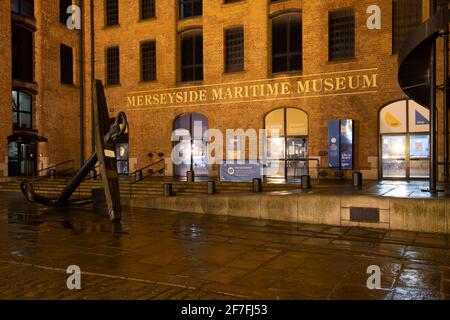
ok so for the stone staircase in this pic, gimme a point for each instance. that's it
(149, 187)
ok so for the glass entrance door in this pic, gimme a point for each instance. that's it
(21, 159)
(191, 148)
(286, 156)
(394, 157)
(419, 156)
(405, 156)
(297, 157)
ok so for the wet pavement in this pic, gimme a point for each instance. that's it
(167, 255)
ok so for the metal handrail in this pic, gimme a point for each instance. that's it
(39, 178)
(58, 165)
(134, 174)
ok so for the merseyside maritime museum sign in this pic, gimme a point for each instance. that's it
(298, 87)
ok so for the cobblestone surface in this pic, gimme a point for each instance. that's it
(167, 255)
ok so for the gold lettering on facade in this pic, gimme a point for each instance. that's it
(285, 88)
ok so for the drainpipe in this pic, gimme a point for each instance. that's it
(92, 74)
(433, 116)
(445, 102)
(81, 85)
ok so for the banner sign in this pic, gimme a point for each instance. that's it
(347, 144)
(340, 144)
(334, 143)
(234, 172)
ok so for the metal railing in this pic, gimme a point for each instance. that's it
(38, 177)
(139, 175)
(93, 176)
(307, 165)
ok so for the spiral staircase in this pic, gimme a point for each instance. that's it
(417, 76)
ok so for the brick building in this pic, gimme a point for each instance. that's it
(291, 65)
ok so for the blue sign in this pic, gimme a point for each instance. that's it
(240, 172)
(420, 119)
(334, 143)
(340, 144)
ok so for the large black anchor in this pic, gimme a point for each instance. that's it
(104, 155)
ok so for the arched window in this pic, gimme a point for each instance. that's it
(191, 148)
(191, 56)
(404, 140)
(287, 43)
(287, 143)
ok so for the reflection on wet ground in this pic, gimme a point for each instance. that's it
(166, 255)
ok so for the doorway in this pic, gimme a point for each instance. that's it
(21, 158)
(189, 130)
(287, 155)
(405, 142)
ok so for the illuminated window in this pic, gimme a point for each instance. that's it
(404, 140)
(287, 153)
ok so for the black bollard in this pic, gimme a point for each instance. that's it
(211, 187)
(99, 199)
(52, 174)
(190, 176)
(306, 182)
(257, 185)
(138, 175)
(357, 179)
(168, 190)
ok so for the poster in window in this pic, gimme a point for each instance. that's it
(346, 144)
(419, 118)
(393, 118)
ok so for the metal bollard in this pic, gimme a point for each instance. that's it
(138, 175)
(190, 176)
(99, 198)
(168, 190)
(357, 179)
(257, 185)
(211, 187)
(306, 182)
(52, 174)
